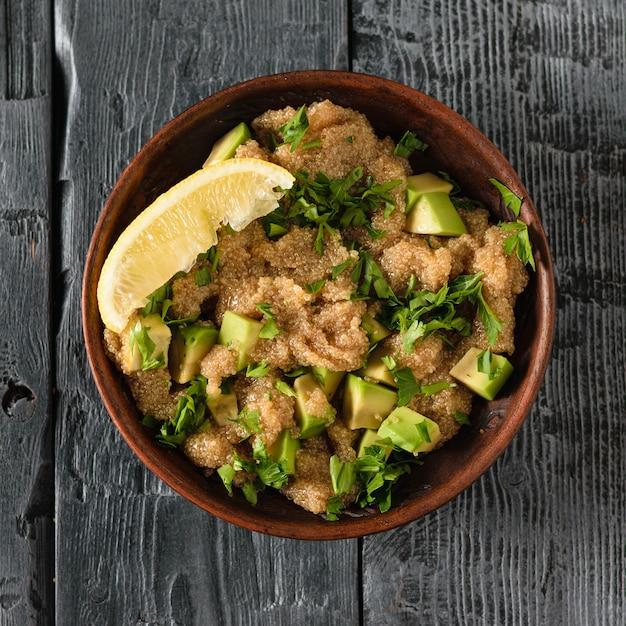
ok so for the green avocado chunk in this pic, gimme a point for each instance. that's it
(239, 333)
(312, 414)
(189, 346)
(410, 430)
(149, 342)
(483, 372)
(225, 147)
(366, 404)
(434, 214)
(285, 448)
(370, 438)
(223, 408)
(419, 184)
(374, 329)
(376, 369)
(328, 379)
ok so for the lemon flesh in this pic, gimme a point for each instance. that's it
(168, 235)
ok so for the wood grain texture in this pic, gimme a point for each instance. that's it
(129, 550)
(540, 538)
(26, 445)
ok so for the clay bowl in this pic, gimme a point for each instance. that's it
(455, 147)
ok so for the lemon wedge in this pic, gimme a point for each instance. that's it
(169, 234)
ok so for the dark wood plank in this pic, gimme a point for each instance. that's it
(27, 442)
(540, 538)
(128, 549)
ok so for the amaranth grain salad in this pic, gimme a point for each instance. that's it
(323, 349)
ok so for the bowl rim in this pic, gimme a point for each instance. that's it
(346, 527)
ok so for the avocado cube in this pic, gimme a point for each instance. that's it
(374, 329)
(225, 147)
(328, 379)
(189, 346)
(434, 214)
(285, 448)
(483, 372)
(312, 410)
(239, 333)
(370, 438)
(419, 184)
(223, 408)
(410, 430)
(376, 369)
(366, 404)
(148, 343)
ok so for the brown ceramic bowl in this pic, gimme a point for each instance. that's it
(455, 147)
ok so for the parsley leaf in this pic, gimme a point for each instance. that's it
(418, 314)
(408, 144)
(328, 205)
(334, 506)
(518, 241)
(269, 330)
(379, 476)
(269, 473)
(511, 201)
(408, 387)
(139, 336)
(342, 475)
(336, 270)
(293, 131)
(189, 416)
(461, 418)
(283, 387)
(203, 276)
(315, 287)
(257, 370)
(156, 299)
(250, 420)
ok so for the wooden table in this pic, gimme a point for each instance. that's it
(88, 536)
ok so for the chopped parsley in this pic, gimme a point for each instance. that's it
(408, 387)
(418, 314)
(284, 388)
(315, 287)
(189, 416)
(461, 418)
(250, 420)
(408, 144)
(511, 201)
(518, 241)
(269, 330)
(257, 370)
(375, 475)
(267, 472)
(293, 131)
(330, 205)
(139, 337)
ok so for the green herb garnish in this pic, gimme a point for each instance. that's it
(293, 131)
(284, 388)
(511, 201)
(518, 241)
(269, 330)
(376, 476)
(257, 370)
(138, 336)
(408, 144)
(315, 287)
(418, 314)
(269, 473)
(329, 205)
(189, 416)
